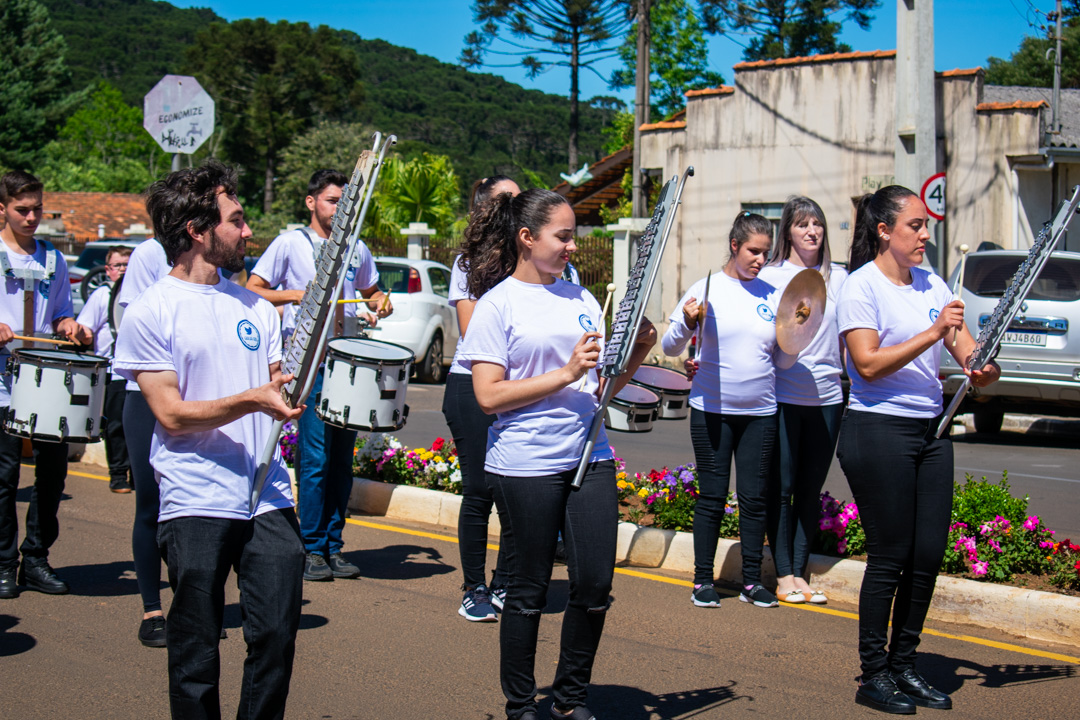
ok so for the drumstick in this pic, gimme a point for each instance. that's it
(703, 309)
(603, 314)
(960, 284)
(25, 338)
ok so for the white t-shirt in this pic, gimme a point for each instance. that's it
(736, 375)
(814, 379)
(95, 316)
(530, 329)
(289, 264)
(898, 313)
(220, 340)
(52, 301)
(459, 290)
(146, 265)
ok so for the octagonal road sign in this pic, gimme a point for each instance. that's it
(178, 114)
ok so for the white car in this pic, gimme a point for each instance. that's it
(423, 319)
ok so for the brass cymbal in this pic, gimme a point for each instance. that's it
(802, 308)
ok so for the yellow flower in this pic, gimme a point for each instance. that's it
(438, 458)
(643, 493)
(621, 476)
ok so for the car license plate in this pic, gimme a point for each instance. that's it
(1024, 338)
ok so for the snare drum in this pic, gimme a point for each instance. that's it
(672, 387)
(364, 384)
(633, 409)
(57, 395)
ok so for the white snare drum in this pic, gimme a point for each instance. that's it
(56, 395)
(364, 384)
(672, 387)
(633, 409)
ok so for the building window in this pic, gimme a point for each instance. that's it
(770, 211)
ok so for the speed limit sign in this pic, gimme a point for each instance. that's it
(933, 196)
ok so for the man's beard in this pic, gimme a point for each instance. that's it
(220, 256)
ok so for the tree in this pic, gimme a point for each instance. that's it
(34, 77)
(423, 189)
(541, 34)
(679, 57)
(1031, 65)
(332, 145)
(271, 82)
(787, 28)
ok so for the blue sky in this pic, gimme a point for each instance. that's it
(966, 31)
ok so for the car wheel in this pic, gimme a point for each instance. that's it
(431, 369)
(988, 419)
(92, 281)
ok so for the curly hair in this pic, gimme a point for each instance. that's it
(187, 196)
(884, 206)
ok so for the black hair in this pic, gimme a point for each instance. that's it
(873, 209)
(746, 225)
(188, 196)
(795, 210)
(489, 252)
(16, 183)
(322, 179)
(481, 189)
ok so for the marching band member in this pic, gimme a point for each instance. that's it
(810, 401)
(531, 339)
(469, 427)
(732, 403)
(893, 316)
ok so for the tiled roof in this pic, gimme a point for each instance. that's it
(826, 58)
(962, 72)
(722, 90)
(82, 212)
(1005, 97)
(1018, 105)
(666, 125)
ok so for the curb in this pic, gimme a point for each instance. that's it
(1034, 425)
(1043, 616)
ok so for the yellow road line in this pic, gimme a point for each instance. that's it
(77, 474)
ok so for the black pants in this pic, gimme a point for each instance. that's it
(535, 508)
(42, 527)
(268, 557)
(805, 452)
(115, 445)
(750, 440)
(139, 425)
(469, 428)
(901, 477)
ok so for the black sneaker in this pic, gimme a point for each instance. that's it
(476, 605)
(880, 693)
(37, 575)
(579, 713)
(120, 485)
(759, 596)
(342, 568)
(8, 587)
(705, 596)
(316, 569)
(921, 692)
(152, 631)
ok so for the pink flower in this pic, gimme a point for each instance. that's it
(1046, 544)
(979, 568)
(841, 546)
(1032, 523)
(994, 544)
(986, 528)
(826, 523)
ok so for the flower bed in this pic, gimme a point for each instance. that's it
(382, 457)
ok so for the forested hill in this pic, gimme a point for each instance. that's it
(484, 123)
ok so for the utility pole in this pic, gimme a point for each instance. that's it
(1055, 122)
(642, 86)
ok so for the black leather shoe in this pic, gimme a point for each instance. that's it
(152, 631)
(8, 586)
(921, 692)
(880, 693)
(37, 575)
(579, 713)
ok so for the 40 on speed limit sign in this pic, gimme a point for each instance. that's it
(933, 196)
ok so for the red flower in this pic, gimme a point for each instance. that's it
(437, 445)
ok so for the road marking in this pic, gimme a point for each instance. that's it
(1016, 474)
(686, 583)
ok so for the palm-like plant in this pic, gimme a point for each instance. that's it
(424, 189)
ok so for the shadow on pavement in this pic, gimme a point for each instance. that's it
(106, 580)
(13, 643)
(233, 619)
(631, 703)
(23, 494)
(399, 562)
(949, 674)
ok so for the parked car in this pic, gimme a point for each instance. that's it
(1040, 353)
(423, 319)
(87, 274)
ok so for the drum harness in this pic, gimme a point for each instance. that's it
(29, 276)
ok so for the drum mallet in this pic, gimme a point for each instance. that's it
(960, 285)
(603, 314)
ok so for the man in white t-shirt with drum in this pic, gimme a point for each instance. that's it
(206, 354)
(324, 453)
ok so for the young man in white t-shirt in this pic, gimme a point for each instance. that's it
(206, 354)
(98, 316)
(324, 453)
(35, 300)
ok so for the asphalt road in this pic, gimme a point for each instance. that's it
(391, 645)
(1047, 469)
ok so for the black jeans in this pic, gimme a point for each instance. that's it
(268, 558)
(535, 508)
(902, 480)
(139, 424)
(469, 428)
(805, 452)
(750, 440)
(42, 527)
(115, 445)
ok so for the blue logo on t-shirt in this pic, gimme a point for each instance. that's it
(249, 334)
(45, 286)
(765, 313)
(586, 322)
(350, 274)
(934, 312)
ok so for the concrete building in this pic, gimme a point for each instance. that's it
(823, 126)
